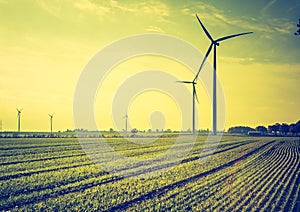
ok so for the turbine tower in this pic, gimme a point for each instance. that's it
(215, 43)
(126, 121)
(194, 82)
(51, 121)
(19, 119)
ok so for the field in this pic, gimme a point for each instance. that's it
(244, 173)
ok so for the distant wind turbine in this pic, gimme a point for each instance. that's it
(51, 121)
(215, 43)
(194, 82)
(19, 119)
(126, 121)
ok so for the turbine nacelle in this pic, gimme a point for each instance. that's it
(215, 42)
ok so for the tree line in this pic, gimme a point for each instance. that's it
(276, 129)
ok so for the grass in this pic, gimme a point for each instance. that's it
(244, 173)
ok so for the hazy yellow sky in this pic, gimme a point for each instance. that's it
(45, 44)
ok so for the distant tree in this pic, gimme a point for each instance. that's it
(240, 129)
(284, 128)
(298, 31)
(134, 131)
(277, 126)
(168, 131)
(298, 126)
(271, 129)
(77, 130)
(262, 129)
(274, 129)
(293, 129)
(111, 130)
(68, 130)
(149, 130)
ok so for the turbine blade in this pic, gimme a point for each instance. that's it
(185, 82)
(205, 30)
(195, 92)
(232, 36)
(204, 59)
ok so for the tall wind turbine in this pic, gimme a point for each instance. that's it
(51, 121)
(126, 121)
(215, 43)
(194, 82)
(19, 119)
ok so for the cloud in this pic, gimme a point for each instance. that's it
(86, 5)
(268, 5)
(106, 8)
(61, 9)
(219, 17)
(116, 4)
(243, 60)
(154, 29)
(281, 25)
(205, 10)
(294, 7)
(186, 11)
(54, 8)
(154, 8)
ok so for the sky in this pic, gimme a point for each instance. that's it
(45, 45)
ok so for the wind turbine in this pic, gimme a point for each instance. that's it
(19, 119)
(51, 121)
(215, 43)
(194, 82)
(126, 121)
